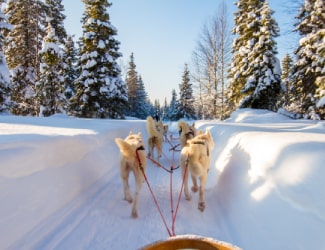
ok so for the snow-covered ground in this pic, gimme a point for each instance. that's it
(60, 186)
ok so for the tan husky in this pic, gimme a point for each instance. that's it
(132, 158)
(186, 132)
(155, 137)
(195, 158)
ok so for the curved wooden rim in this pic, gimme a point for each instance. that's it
(189, 242)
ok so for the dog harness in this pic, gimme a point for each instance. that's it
(201, 143)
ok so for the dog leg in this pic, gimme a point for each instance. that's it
(195, 186)
(159, 150)
(138, 181)
(185, 171)
(127, 192)
(134, 213)
(203, 180)
(201, 206)
(125, 179)
(149, 148)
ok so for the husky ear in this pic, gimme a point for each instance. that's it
(125, 148)
(193, 125)
(130, 133)
(139, 134)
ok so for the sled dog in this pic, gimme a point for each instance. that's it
(195, 156)
(155, 137)
(165, 131)
(186, 132)
(132, 158)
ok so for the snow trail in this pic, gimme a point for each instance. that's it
(265, 182)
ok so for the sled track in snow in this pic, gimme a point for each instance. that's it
(62, 223)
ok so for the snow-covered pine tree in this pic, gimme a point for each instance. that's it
(244, 21)
(100, 91)
(22, 47)
(4, 71)
(173, 111)
(164, 110)
(50, 87)
(70, 72)
(55, 10)
(258, 66)
(131, 81)
(142, 106)
(287, 64)
(320, 95)
(186, 100)
(309, 68)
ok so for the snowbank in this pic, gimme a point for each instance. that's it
(60, 186)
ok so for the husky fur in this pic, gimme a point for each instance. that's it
(129, 161)
(155, 137)
(195, 156)
(186, 132)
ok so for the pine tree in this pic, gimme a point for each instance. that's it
(70, 72)
(320, 95)
(50, 88)
(243, 24)
(287, 64)
(132, 85)
(100, 91)
(142, 105)
(173, 112)
(55, 10)
(22, 47)
(255, 72)
(4, 72)
(164, 115)
(309, 67)
(186, 100)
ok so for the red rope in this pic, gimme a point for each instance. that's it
(158, 164)
(152, 194)
(157, 205)
(179, 201)
(171, 193)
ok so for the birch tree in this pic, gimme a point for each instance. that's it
(210, 59)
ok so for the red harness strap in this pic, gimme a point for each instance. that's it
(152, 194)
(155, 200)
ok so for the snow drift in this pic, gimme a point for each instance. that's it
(60, 186)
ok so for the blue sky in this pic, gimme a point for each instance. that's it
(163, 34)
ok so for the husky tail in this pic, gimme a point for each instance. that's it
(125, 148)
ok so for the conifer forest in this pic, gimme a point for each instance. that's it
(44, 71)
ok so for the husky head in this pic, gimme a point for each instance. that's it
(130, 144)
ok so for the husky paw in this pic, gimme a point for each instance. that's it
(201, 206)
(134, 214)
(194, 189)
(129, 199)
(188, 197)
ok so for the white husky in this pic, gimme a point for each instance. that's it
(155, 137)
(132, 158)
(195, 158)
